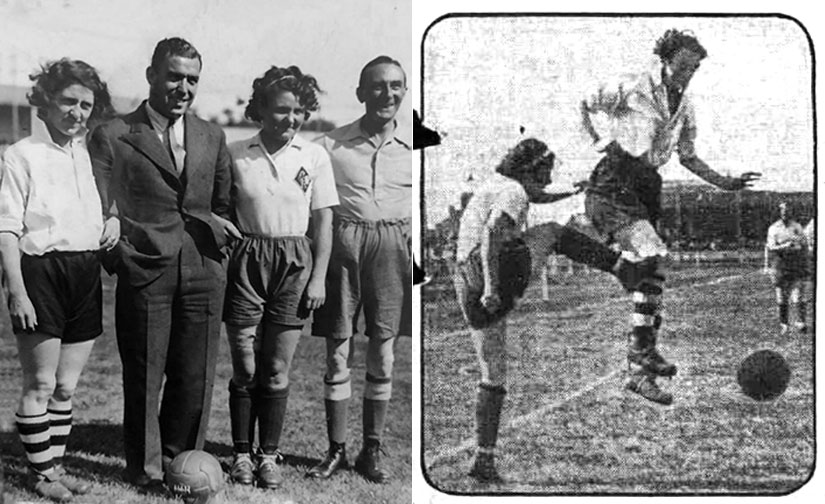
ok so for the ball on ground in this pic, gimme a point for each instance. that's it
(764, 375)
(196, 477)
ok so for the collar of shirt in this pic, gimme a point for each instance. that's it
(295, 143)
(40, 132)
(402, 133)
(160, 123)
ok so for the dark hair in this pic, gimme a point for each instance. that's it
(380, 60)
(673, 40)
(303, 86)
(525, 158)
(56, 76)
(174, 46)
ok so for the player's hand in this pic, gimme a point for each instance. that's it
(22, 311)
(745, 180)
(111, 233)
(581, 186)
(228, 227)
(491, 302)
(315, 295)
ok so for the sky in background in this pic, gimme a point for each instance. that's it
(238, 39)
(484, 78)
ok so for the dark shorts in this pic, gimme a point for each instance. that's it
(65, 289)
(789, 266)
(266, 281)
(514, 274)
(623, 189)
(370, 269)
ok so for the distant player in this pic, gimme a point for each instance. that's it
(492, 271)
(648, 118)
(789, 266)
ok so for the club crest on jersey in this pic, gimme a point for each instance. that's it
(303, 179)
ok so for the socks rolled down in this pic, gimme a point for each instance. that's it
(34, 434)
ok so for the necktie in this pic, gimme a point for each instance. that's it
(176, 151)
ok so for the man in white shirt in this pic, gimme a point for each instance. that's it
(788, 266)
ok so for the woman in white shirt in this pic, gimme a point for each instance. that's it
(51, 229)
(276, 272)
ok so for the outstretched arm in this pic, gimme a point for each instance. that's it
(705, 172)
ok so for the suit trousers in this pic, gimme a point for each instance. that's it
(169, 328)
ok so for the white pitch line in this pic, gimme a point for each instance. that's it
(526, 418)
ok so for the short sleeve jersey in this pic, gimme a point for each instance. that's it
(498, 195)
(274, 194)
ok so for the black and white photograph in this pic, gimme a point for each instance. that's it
(619, 244)
(206, 214)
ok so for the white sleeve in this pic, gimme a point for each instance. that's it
(14, 192)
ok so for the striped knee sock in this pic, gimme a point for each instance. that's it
(646, 316)
(34, 434)
(60, 425)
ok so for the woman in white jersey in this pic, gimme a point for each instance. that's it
(276, 273)
(51, 228)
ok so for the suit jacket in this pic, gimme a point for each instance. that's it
(138, 183)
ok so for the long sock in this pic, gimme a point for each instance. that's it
(241, 418)
(783, 313)
(646, 316)
(271, 413)
(60, 425)
(584, 249)
(34, 434)
(374, 418)
(488, 414)
(801, 311)
(337, 417)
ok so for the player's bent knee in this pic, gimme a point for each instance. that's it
(64, 392)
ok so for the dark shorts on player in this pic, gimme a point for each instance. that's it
(789, 266)
(623, 189)
(514, 274)
(66, 292)
(266, 280)
(370, 268)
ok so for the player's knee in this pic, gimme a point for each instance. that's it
(64, 391)
(39, 388)
(276, 377)
(243, 378)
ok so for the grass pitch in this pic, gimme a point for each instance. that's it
(95, 448)
(568, 427)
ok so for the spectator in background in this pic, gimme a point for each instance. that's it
(787, 257)
(51, 229)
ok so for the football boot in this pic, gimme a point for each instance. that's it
(644, 384)
(368, 462)
(336, 459)
(73, 484)
(50, 487)
(269, 470)
(484, 468)
(243, 469)
(651, 361)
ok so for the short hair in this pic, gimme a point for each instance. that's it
(673, 40)
(174, 46)
(525, 158)
(303, 86)
(56, 76)
(380, 60)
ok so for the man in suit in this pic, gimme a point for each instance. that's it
(166, 175)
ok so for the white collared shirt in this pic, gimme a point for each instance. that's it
(374, 182)
(638, 118)
(161, 122)
(274, 194)
(779, 234)
(48, 196)
(498, 195)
